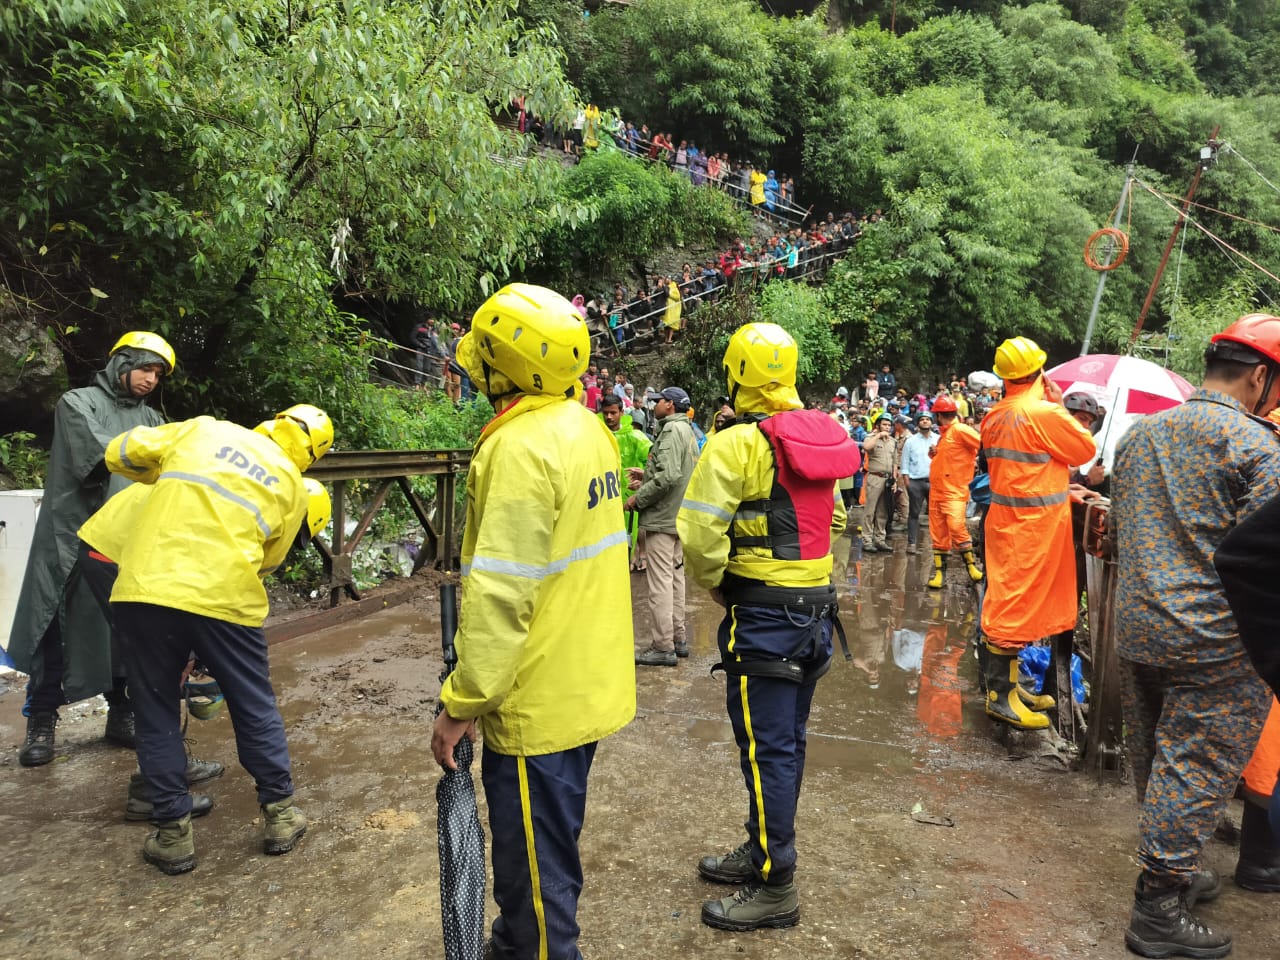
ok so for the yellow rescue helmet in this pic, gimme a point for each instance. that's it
(1018, 357)
(759, 354)
(151, 342)
(303, 431)
(319, 509)
(531, 335)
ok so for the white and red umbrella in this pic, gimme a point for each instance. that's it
(1126, 386)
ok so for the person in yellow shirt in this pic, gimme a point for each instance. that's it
(215, 507)
(544, 551)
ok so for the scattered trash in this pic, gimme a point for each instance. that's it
(919, 816)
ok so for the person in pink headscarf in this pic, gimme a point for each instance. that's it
(580, 304)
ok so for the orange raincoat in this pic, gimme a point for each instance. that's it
(950, 472)
(1030, 444)
(1260, 775)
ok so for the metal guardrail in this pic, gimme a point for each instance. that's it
(390, 468)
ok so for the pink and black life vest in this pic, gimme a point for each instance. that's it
(810, 452)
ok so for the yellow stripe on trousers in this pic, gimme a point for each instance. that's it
(535, 885)
(751, 748)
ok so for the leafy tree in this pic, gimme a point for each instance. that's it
(701, 70)
(236, 179)
(634, 211)
(967, 254)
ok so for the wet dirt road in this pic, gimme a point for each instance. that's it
(1038, 863)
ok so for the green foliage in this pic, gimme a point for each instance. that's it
(959, 263)
(802, 311)
(24, 460)
(635, 209)
(231, 179)
(700, 69)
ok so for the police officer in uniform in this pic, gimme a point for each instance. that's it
(756, 523)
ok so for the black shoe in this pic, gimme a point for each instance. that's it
(37, 750)
(120, 729)
(656, 658)
(1161, 926)
(870, 548)
(139, 806)
(682, 649)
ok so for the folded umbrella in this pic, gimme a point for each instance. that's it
(460, 836)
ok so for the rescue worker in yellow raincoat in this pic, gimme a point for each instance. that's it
(1031, 443)
(544, 551)
(950, 472)
(215, 508)
(756, 523)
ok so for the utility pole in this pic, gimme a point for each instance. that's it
(1208, 156)
(1102, 277)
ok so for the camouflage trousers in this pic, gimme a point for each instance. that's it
(1189, 731)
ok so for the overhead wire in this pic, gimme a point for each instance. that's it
(1218, 241)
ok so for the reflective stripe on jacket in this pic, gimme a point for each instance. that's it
(221, 507)
(737, 466)
(1030, 445)
(545, 655)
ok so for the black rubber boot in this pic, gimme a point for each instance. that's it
(1259, 866)
(1161, 926)
(37, 750)
(1000, 671)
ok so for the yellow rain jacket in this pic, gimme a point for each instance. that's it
(737, 465)
(545, 653)
(215, 510)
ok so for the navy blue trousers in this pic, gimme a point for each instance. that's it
(536, 809)
(769, 718)
(157, 642)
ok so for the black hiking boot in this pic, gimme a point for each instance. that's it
(120, 728)
(1161, 926)
(732, 867)
(754, 906)
(37, 750)
(202, 771)
(1205, 887)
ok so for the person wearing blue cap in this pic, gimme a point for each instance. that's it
(659, 490)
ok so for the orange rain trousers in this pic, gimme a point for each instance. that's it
(1260, 774)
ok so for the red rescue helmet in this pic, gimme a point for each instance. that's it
(1259, 332)
(945, 405)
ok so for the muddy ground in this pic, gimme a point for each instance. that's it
(1038, 864)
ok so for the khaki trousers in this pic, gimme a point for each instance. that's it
(664, 574)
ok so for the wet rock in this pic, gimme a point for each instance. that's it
(32, 372)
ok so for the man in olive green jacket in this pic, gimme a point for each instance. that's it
(658, 496)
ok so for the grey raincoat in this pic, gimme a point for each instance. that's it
(77, 484)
